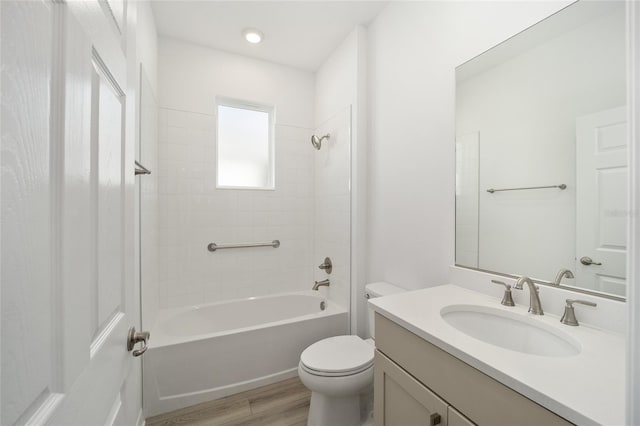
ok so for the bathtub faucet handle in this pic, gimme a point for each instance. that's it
(326, 265)
(319, 284)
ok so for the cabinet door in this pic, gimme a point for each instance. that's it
(402, 400)
(456, 419)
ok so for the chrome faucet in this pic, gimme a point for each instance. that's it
(319, 284)
(534, 298)
(561, 274)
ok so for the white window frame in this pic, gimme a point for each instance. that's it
(252, 106)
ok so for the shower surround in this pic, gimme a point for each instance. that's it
(194, 213)
(308, 211)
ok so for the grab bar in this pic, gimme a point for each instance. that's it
(213, 246)
(561, 186)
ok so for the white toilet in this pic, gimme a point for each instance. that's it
(339, 369)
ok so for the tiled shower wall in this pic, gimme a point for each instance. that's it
(194, 213)
(332, 229)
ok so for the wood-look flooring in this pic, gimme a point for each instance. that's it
(284, 403)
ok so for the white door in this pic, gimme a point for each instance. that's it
(67, 215)
(601, 201)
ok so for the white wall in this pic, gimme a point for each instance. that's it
(332, 205)
(533, 143)
(146, 211)
(147, 42)
(467, 180)
(340, 89)
(194, 213)
(192, 76)
(336, 81)
(147, 154)
(414, 48)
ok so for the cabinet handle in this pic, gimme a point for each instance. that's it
(434, 419)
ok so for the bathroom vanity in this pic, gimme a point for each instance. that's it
(428, 371)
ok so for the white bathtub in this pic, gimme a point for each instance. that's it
(200, 353)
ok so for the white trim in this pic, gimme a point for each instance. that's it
(240, 103)
(633, 256)
(141, 421)
(46, 409)
(251, 106)
(57, 140)
(103, 334)
(115, 410)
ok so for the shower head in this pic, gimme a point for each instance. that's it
(317, 142)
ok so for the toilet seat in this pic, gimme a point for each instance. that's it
(334, 373)
(337, 356)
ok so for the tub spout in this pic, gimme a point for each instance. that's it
(319, 284)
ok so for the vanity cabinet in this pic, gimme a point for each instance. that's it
(454, 418)
(417, 383)
(404, 400)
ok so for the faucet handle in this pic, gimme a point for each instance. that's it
(569, 316)
(507, 299)
(570, 302)
(326, 265)
(507, 286)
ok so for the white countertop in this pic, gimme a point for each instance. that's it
(587, 388)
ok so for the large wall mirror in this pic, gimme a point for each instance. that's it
(541, 152)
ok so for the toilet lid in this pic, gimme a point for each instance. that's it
(339, 354)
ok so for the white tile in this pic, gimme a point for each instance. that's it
(176, 118)
(192, 213)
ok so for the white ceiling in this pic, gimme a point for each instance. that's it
(300, 34)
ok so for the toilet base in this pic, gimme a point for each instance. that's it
(334, 411)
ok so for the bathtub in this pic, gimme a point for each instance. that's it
(201, 353)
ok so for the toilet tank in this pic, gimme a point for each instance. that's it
(378, 289)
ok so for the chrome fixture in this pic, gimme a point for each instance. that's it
(319, 284)
(136, 337)
(535, 307)
(561, 186)
(141, 170)
(507, 299)
(213, 246)
(323, 305)
(569, 316)
(317, 142)
(586, 260)
(326, 265)
(561, 274)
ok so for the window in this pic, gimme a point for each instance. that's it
(245, 145)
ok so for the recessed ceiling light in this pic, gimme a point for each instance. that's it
(252, 35)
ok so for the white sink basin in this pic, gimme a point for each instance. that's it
(510, 330)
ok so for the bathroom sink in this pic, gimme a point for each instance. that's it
(510, 330)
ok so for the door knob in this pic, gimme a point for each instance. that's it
(586, 260)
(136, 337)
